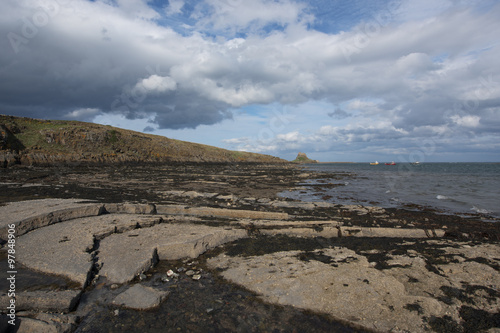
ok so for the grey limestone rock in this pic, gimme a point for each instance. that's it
(140, 297)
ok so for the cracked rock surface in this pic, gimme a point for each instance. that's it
(213, 248)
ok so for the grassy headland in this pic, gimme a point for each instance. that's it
(39, 142)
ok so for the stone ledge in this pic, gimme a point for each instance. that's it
(219, 212)
(44, 300)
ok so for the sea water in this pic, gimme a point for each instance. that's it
(448, 187)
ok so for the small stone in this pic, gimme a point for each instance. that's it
(170, 273)
(190, 273)
(196, 277)
(114, 286)
(142, 276)
(209, 310)
(165, 279)
(181, 269)
(117, 312)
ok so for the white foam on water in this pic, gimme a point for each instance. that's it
(480, 210)
(442, 197)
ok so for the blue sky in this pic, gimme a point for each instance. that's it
(340, 80)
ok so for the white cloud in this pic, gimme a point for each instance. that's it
(83, 114)
(466, 121)
(234, 15)
(156, 83)
(174, 7)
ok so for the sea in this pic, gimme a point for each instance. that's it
(450, 188)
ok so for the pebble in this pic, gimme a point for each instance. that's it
(114, 286)
(196, 277)
(190, 273)
(170, 272)
(117, 312)
(142, 276)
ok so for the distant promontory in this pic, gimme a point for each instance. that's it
(302, 159)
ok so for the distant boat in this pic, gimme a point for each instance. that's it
(415, 163)
(392, 163)
(374, 163)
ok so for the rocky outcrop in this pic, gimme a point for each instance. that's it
(302, 159)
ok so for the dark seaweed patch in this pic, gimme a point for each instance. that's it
(485, 261)
(478, 320)
(414, 307)
(444, 324)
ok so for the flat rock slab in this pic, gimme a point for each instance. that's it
(66, 248)
(219, 212)
(140, 297)
(16, 211)
(336, 230)
(31, 215)
(61, 301)
(337, 281)
(124, 256)
(47, 323)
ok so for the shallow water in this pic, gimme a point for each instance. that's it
(449, 187)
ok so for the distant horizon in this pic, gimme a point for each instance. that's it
(294, 154)
(381, 163)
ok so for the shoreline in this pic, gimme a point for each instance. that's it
(255, 272)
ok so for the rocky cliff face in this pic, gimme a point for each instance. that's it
(29, 141)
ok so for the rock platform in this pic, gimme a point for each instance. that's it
(364, 268)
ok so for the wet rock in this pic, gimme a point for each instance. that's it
(140, 297)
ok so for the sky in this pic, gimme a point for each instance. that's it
(341, 80)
